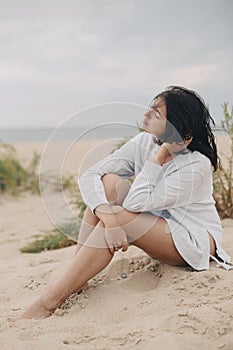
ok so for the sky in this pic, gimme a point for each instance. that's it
(60, 57)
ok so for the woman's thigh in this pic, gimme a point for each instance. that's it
(151, 234)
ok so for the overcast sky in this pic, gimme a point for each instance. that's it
(58, 57)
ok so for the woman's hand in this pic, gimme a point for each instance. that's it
(168, 150)
(116, 237)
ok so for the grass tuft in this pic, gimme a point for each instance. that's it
(223, 177)
(14, 177)
(65, 235)
(52, 241)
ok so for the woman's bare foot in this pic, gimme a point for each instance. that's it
(36, 310)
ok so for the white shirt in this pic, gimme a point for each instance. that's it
(180, 191)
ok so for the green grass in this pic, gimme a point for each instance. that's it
(14, 177)
(12, 173)
(50, 242)
(64, 236)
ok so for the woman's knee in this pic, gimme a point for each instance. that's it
(115, 188)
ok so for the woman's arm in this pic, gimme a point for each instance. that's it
(121, 162)
(153, 190)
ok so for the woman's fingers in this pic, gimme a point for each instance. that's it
(111, 247)
(114, 247)
(116, 239)
(111, 250)
(125, 247)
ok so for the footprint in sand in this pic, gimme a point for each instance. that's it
(128, 266)
(140, 274)
(142, 281)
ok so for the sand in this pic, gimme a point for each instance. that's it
(135, 303)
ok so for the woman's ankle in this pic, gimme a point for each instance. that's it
(49, 303)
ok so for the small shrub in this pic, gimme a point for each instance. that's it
(33, 177)
(12, 174)
(50, 242)
(14, 177)
(64, 235)
(223, 177)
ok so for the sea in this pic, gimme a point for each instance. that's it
(44, 134)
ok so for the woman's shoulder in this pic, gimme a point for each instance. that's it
(144, 144)
(200, 162)
(143, 138)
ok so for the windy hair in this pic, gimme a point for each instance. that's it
(187, 117)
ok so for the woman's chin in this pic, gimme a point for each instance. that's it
(145, 128)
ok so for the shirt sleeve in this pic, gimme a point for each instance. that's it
(153, 190)
(121, 162)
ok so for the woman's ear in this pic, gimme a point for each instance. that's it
(188, 141)
(187, 137)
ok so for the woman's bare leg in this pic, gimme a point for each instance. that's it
(88, 262)
(88, 224)
(116, 190)
(143, 230)
(89, 258)
(151, 234)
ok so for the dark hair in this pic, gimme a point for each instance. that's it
(189, 117)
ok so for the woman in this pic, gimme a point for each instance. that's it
(168, 212)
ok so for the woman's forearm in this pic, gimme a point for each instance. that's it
(160, 160)
(106, 214)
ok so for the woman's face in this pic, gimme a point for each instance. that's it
(155, 119)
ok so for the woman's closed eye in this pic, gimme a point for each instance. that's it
(157, 115)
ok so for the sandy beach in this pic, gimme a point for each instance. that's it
(135, 303)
